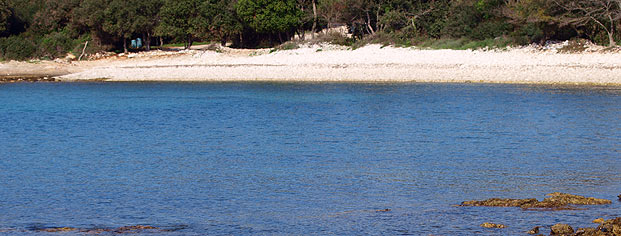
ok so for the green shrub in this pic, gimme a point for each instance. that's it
(56, 44)
(490, 30)
(289, 46)
(17, 48)
(527, 34)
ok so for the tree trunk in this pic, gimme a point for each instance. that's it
(611, 33)
(314, 18)
(148, 41)
(611, 39)
(189, 45)
(223, 40)
(369, 24)
(124, 45)
(161, 42)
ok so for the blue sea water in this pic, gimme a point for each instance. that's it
(303, 159)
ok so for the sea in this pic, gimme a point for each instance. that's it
(303, 158)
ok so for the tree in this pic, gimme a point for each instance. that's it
(119, 19)
(224, 23)
(270, 16)
(184, 19)
(5, 14)
(604, 13)
(146, 18)
(331, 11)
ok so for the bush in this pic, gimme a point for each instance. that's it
(335, 38)
(56, 44)
(528, 34)
(464, 43)
(490, 30)
(17, 48)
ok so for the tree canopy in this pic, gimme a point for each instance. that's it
(51, 28)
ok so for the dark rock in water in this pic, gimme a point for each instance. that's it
(493, 226)
(589, 232)
(561, 229)
(611, 227)
(619, 197)
(555, 201)
(606, 228)
(499, 202)
(534, 230)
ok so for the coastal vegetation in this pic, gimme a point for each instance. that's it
(52, 28)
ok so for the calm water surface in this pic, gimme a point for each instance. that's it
(303, 159)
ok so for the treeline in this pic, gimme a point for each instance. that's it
(51, 28)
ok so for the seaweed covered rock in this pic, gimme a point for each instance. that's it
(555, 201)
(561, 229)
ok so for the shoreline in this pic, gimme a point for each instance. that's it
(330, 63)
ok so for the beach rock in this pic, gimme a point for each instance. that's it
(555, 201)
(598, 220)
(493, 226)
(70, 57)
(619, 197)
(561, 229)
(534, 230)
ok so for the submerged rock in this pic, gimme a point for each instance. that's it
(499, 202)
(126, 229)
(493, 226)
(534, 230)
(619, 197)
(561, 229)
(61, 229)
(555, 201)
(120, 230)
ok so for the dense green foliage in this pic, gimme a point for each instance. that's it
(52, 28)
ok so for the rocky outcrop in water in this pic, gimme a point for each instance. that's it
(606, 228)
(554, 201)
(534, 230)
(493, 226)
(561, 230)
